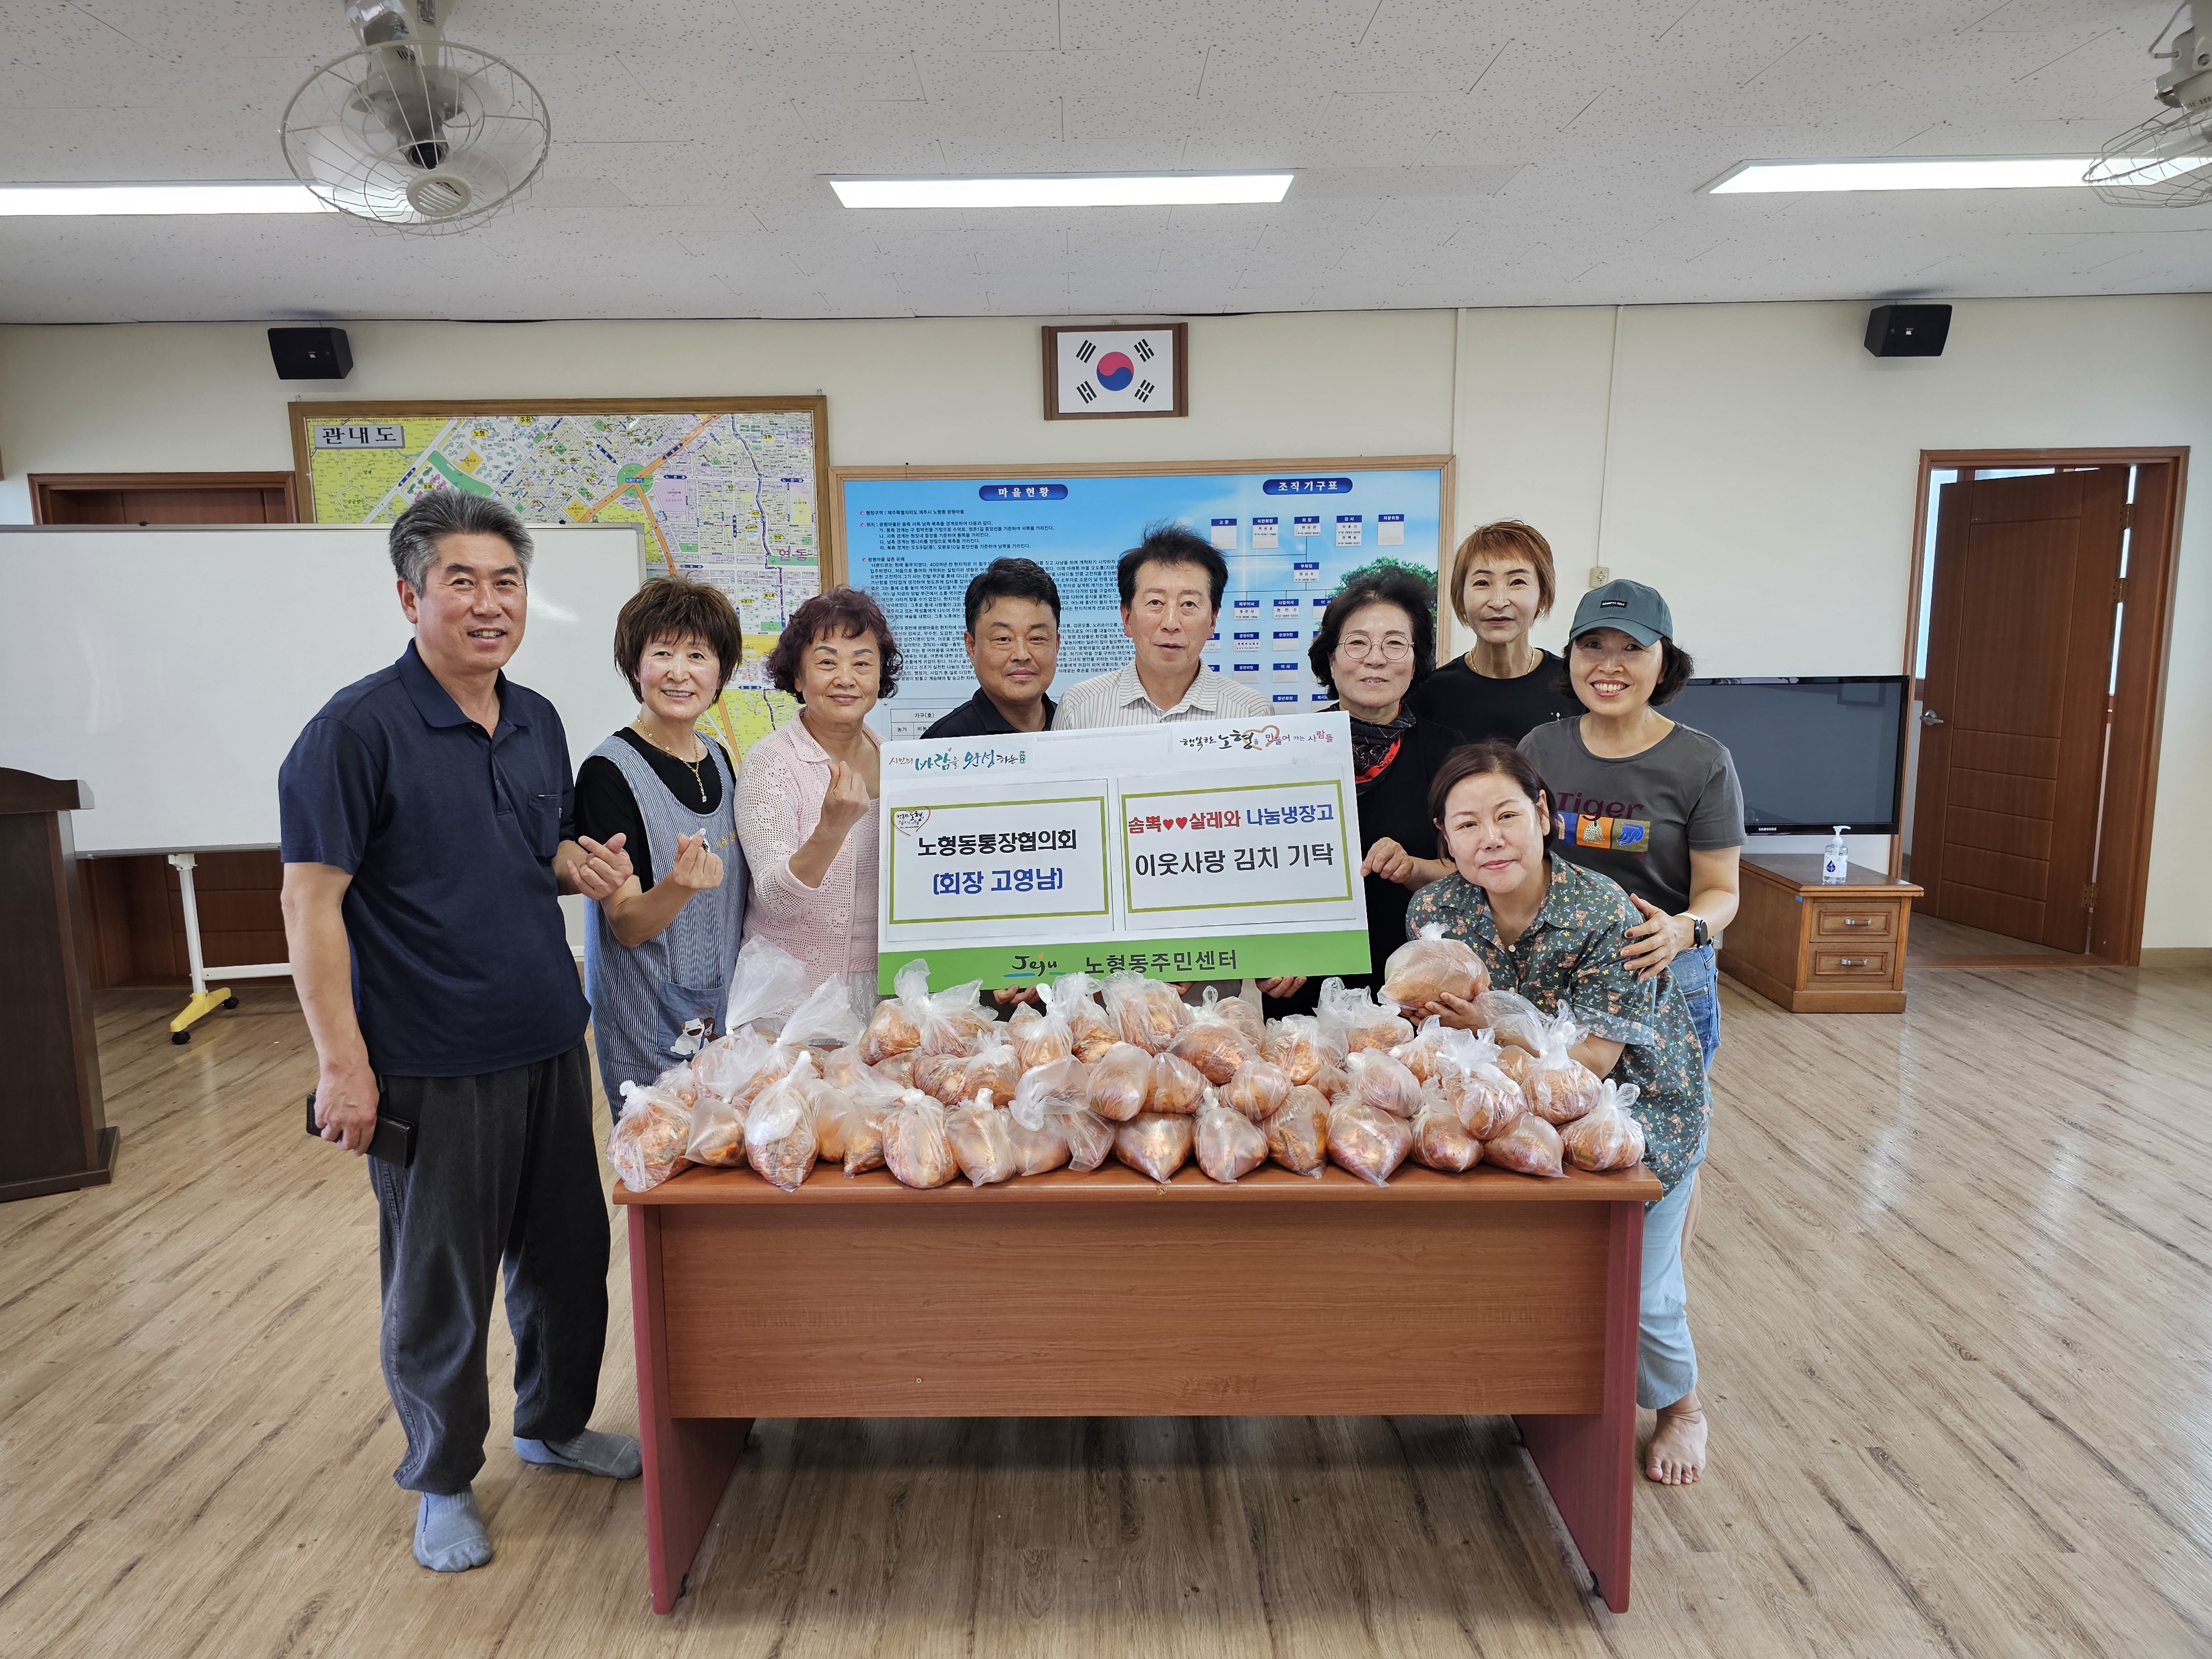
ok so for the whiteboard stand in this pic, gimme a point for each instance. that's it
(204, 1001)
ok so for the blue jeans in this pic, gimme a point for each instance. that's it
(1666, 1357)
(1694, 972)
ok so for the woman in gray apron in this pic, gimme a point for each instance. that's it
(658, 954)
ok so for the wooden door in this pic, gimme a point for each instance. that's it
(149, 498)
(134, 907)
(2019, 664)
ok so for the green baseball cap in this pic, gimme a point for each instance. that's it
(1635, 609)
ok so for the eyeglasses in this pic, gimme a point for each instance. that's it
(1395, 648)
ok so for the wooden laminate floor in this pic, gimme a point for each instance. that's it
(1932, 941)
(1950, 1291)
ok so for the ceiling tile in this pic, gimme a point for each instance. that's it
(1506, 152)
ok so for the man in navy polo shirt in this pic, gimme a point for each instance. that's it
(428, 822)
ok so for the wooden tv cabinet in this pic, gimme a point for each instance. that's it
(1815, 948)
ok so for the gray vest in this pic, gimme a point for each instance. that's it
(642, 998)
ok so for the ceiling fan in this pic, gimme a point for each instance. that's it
(2167, 160)
(412, 132)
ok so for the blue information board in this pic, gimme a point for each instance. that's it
(915, 539)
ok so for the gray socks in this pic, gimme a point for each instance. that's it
(449, 1533)
(615, 1455)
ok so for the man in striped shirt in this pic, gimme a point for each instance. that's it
(1171, 584)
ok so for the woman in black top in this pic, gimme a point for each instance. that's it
(666, 734)
(606, 806)
(1372, 648)
(660, 953)
(1505, 687)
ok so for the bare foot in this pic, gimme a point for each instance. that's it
(1676, 1455)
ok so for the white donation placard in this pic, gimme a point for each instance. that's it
(1217, 849)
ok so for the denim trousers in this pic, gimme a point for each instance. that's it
(505, 1173)
(1666, 1357)
(1694, 972)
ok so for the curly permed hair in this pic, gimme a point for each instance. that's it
(842, 613)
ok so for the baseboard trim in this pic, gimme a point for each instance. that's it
(2185, 956)
(2022, 960)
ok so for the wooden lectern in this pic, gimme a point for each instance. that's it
(53, 1135)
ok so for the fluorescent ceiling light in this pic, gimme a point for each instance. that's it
(2148, 169)
(1075, 190)
(40, 200)
(1907, 172)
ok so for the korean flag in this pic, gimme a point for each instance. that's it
(1114, 371)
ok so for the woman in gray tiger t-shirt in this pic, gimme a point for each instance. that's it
(1653, 803)
(1656, 807)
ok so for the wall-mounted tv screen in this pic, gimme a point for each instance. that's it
(1811, 753)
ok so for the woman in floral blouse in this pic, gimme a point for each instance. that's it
(1552, 932)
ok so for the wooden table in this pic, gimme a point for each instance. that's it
(1816, 947)
(1110, 1295)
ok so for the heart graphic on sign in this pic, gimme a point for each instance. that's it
(1183, 823)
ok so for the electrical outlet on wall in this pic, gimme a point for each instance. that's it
(1599, 575)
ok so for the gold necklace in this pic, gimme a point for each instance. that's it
(697, 782)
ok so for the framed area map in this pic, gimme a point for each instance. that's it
(729, 491)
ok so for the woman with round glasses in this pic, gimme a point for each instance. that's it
(1375, 643)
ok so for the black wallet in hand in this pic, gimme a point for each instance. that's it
(394, 1141)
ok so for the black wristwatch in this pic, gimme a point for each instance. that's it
(1700, 935)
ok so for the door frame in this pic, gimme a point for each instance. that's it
(2123, 873)
(45, 486)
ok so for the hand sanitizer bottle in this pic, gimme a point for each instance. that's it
(1836, 859)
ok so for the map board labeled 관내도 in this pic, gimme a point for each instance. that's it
(726, 491)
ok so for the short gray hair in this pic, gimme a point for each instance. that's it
(440, 513)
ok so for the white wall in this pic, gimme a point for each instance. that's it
(1760, 466)
(192, 397)
(1762, 470)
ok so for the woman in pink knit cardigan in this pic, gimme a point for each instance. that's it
(806, 793)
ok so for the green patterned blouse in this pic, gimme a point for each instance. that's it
(1571, 954)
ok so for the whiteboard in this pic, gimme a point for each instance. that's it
(170, 667)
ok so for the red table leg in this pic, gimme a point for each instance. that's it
(1588, 1464)
(688, 1459)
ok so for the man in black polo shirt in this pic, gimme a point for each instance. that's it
(1013, 644)
(427, 815)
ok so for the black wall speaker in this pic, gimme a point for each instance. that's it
(311, 354)
(1908, 330)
